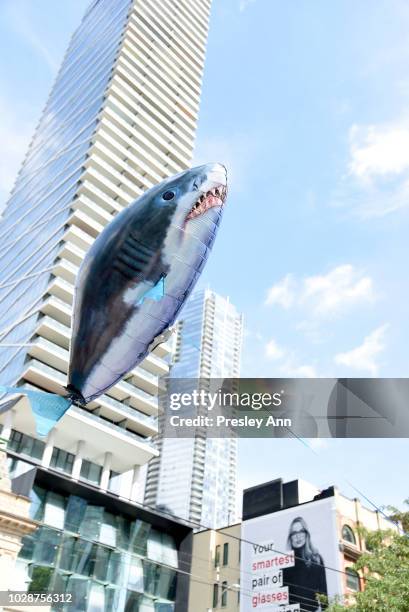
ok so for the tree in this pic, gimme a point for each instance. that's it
(400, 515)
(40, 579)
(386, 571)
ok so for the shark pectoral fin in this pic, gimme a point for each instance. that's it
(155, 293)
(48, 408)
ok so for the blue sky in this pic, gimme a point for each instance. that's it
(306, 103)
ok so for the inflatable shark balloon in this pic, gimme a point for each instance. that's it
(133, 283)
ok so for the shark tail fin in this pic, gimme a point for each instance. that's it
(48, 408)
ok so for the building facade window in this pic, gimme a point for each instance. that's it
(225, 554)
(90, 471)
(114, 482)
(54, 510)
(224, 594)
(348, 535)
(353, 580)
(61, 460)
(215, 595)
(25, 445)
(82, 548)
(217, 556)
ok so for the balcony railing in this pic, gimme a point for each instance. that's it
(128, 410)
(104, 422)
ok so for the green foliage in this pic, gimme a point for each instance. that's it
(386, 571)
(400, 515)
(40, 579)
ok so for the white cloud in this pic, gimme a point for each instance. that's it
(294, 370)
(364, 358)
(375, 200)
(273, 350)
(282, 293)
(244, 4)
(324, 294)
(289, 365)
(377, 179)
(377, 151)
(342, 287)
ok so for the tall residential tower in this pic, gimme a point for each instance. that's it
(121, 116)
(195, 478)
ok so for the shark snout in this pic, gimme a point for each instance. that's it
(211, 176)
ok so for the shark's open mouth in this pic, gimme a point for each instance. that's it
(214, 197)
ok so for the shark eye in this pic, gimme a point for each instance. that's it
(168, 195)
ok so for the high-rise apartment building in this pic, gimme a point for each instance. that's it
(195, 478)
(121, 116)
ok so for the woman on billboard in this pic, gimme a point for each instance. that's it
(307, 577)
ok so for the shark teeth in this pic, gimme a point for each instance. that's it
(214, 197)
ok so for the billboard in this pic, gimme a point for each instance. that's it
(289, 556)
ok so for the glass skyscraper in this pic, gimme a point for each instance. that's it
(195, 478)
(121, 116)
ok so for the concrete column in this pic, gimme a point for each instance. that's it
(76, 468)
(136, 493)
(48, 451)
(105, 471)
(7, 425)
(125, 484)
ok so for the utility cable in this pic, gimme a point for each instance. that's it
(375, 506)
(229, 535)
